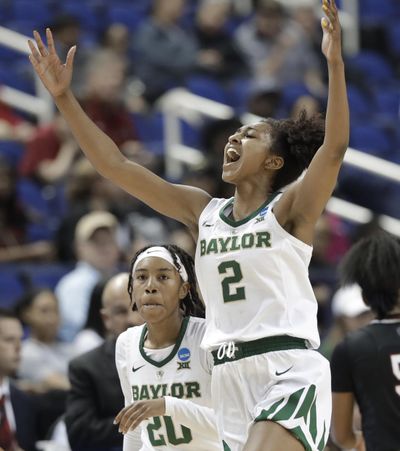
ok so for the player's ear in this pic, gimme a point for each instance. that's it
(184, 290)
(273, 162)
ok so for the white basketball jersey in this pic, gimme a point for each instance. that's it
(184, 373)
(253, 276)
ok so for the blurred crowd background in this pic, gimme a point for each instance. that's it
(64, 228)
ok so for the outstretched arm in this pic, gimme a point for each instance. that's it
(304, 202)
(182, 203)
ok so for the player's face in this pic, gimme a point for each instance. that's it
(246, 152)
(157, 289)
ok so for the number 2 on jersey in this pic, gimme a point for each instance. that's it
(159, 439)
(230, 293)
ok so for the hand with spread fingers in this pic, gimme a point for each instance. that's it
(55, 75)
(130, 417)
(331, 41)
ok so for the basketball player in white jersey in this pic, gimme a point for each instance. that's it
(270, 388)
(163, 360)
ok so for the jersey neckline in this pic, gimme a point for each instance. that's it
(167, 359)
(234, 223)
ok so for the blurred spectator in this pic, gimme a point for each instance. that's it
(102, 97)
(217, 56)
(214, 137)
(116, 38)
(308, 103)
(350, 313)
(87, 191)
(17, 412)
(14, 222)
(95, 397)
(49, 153)
(44, 359)
(322, 271)
(93, 332)
(12, 126)
(277, 49)
(264, 103)
(98, 255)
(67, 31)
(165, 54)
(182, 238)
(306, 14)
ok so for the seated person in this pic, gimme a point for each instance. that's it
(95, 396)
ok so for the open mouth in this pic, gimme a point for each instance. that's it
(232, 155)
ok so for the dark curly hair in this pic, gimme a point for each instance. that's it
(296, 141)
(373, 263)
(191, 303)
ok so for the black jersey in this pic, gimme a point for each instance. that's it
(367, 363)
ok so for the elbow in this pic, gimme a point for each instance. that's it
(341, 148)
(338, 150)
(343, 439)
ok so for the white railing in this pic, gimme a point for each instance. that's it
(40, 105)
(180, 104)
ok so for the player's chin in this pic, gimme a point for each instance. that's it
(151, 311)
(228, 177)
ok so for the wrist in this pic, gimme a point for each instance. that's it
(163, 407)
(336, 63)
(63, 96)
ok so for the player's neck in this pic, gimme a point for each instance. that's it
(164, 333)
(247, 201)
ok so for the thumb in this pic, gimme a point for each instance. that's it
(326, 25)
(70, 57)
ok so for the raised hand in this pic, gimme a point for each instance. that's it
(331, 41)
(131, 416)
(55, 75)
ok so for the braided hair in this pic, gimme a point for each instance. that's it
(191, 303)
(373, 263)
(296, 141)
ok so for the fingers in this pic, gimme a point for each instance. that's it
(35, 54)
(121, 413)
(329, 22)
(70, 57)
(50, 41)
(42, 48)
(131, 416)
(133, 419)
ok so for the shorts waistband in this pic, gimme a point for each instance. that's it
(231, 351)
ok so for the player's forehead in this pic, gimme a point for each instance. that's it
(154, 264)
(261, 126)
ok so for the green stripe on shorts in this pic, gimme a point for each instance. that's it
(298, 406)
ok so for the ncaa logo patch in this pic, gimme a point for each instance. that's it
(261, 215)
(184, 357)
(184, 354)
